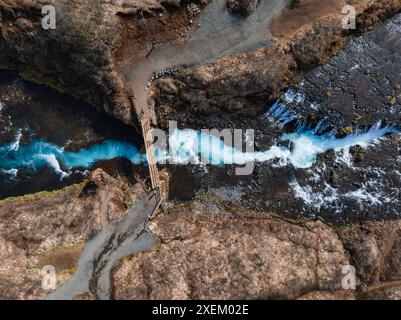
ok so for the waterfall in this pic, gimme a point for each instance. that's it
(188, 146)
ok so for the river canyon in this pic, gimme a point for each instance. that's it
(324, 105)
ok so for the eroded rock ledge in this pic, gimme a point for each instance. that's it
(82, 55)
(233, 254)
(77, 57)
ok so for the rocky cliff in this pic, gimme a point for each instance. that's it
(82, 55)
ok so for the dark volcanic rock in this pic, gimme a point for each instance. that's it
(355, 89)
(339, 187)
(345, 188)
(244, 84)
(359, 86)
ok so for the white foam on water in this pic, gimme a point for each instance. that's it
(15, 145)
(39, 153)
(54, 164)
(308, 145)
(293, 97)
(314, 106)
(366, 199)
(280, 114)
(12, 172)
(189, 146)
(345, 157)
(329, 196)
(373, 192)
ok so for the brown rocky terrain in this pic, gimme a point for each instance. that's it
(214, 253)
(39, 229)
(76, 57)
(82, 55)
(52, 228)
(207, 251)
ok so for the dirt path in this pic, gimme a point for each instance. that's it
(220, 33)
(114, 242)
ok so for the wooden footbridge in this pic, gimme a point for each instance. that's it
(147, 120)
